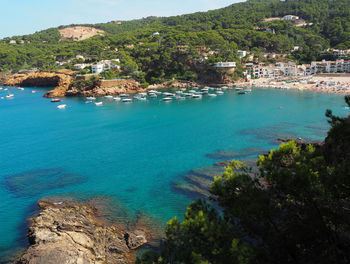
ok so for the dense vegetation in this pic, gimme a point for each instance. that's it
(188, 44)
(295, 211)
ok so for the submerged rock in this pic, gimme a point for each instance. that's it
(35, 182)
(68, 232)
(229, 155)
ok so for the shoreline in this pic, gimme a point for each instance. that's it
(321, 83)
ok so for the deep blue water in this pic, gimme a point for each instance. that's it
(134, 152)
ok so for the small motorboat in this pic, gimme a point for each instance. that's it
(55, 100)
(139, 98)
(248, 90)
(191, 91)
(167, 99)
(152, 91)
(241, 92)
(98, 103)
(169, 94)
(212, 95)
(62, 106)
(10, 96)
(142, 94)
(33, 91)
(220, 92)
(152, 95)
(109, 97)
(124, 95)
(20, 88)
(238, 89)
(127, 100)
(91, 98)
(197, 96)
(117, 99)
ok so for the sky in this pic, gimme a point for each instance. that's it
(19, 17)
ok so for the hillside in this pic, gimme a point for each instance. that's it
(182, 47)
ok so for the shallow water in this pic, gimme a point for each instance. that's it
(134, 152)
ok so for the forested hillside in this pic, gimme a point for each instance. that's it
(178, 50)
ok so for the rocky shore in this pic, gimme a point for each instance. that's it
(68, 232)
(63, 81)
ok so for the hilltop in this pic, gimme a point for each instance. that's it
(157, 49)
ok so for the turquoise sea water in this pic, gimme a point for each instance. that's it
(135, 152)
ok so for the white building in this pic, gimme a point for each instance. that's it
(81, 66)
(230, 64)
(241, 53)
(13, 41)
(288, 69)
(290, 18)
(97, 68)
(110, 64)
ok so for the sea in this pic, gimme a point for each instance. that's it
(134, 154)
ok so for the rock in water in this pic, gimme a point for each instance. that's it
(66, 232)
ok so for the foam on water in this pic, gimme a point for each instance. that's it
(135, 152)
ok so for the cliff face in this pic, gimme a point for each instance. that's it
(112, 87)
(61, 81)
(66, 232)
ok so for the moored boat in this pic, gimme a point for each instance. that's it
(117, 99)
(91, 98)
(62, 106)
(55, 100)
(98, 103)
(220, 92)
(10, 96)
(212, 95)
(127, 100)
(167, 99)
(109, 97)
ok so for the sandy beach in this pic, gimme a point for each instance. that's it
(326, 83)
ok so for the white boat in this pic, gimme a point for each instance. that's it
(91, 98)
(10, 96)
(167, 99)
(109, 97)
(20, 88)
(126, 100)
(118, 99)
(220, 92)
(238, 89)
(98, 103)
(124, 95)
(212, 95)
(152, 91)
(205, 89)
(152, 95)
(6, 89)
(187, 94)
(224, 87)
(140, 98)
(169, 94)
(248, 90)
(191, 91)
(142, 94)
(62, 106)
(1, 88)
(197, 96)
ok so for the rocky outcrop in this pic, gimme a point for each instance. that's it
(78, 33)
(112, 87)
(67, 232)
(61, 81)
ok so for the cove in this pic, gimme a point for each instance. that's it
(136, 152)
